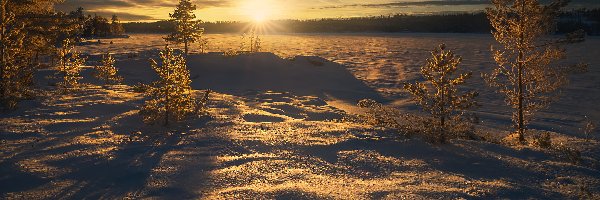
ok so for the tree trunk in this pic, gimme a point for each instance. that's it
(167, 106)
(186, 47)
(520, 126)
(521, 123)
(167, 103)
(443, 117)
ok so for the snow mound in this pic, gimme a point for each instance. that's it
(304, 75)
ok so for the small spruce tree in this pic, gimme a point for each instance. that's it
(107, 72)
(525, 73)
(69, 63)
(171, 96)
(187, 30)
(440, 96)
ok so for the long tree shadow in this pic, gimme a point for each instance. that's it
(111, 156)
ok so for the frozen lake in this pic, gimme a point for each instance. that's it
(384, 61)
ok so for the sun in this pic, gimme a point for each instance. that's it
(259, 18)
(259, 11)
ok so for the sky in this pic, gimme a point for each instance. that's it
(249, 10)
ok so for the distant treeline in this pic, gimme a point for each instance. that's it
(589, 20)
(96, 26)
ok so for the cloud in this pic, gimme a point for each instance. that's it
(123, 16)
(70, 5)
(134, 10)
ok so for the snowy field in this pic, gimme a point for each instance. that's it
(277, 128)
(384, 61)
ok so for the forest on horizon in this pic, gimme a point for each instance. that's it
(569, 21)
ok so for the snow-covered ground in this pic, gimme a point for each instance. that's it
(277, 129)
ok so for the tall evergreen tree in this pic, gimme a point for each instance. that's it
(187, 30)
(13, 62)
(526, 71)
(170, 96)
(445, 100)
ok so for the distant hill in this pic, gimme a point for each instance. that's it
(589, 20)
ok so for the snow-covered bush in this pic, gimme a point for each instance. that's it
(171, 96)
(410, 125)
(107, 72)
(543, 140)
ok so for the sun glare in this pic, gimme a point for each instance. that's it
(259, 18)
(259, 11)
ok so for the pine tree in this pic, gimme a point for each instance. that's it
(28, 29)
(15, 74)
(187, 30)
(170, 96)
(107, 72)
(445, 100)
(69, 63)
(525, 72)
